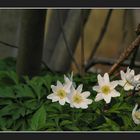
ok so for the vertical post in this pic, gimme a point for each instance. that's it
(31, 42)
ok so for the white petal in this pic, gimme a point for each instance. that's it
(114, 83)
(137, 77)
(132, 72)
(76, 105)
(135, 108)
(128, 70)
(122, 75)
(67, 100)
(50, 96)
(96, 88)
(128, 87)
(133, 115)
(66, 79)
(67, 87)
(86, 94)
(107, 98)
(79, 89)
(59, 84)
(88, 101)
(55, 99)
(122, 82)
(115, 93)
(54, 88)
(106, 78)
(83, 105)
(100, 80)
(98, 97)
(62, 102)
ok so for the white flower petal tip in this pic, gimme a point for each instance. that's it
(106, 89)
(136, 115)
(129, 80)
(78, 99)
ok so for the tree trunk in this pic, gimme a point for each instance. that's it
(31, 42)
(61, 59)
(53, 31)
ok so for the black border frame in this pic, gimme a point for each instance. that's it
(69, 3)
(8, 4)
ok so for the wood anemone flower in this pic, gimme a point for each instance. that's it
(106, 89)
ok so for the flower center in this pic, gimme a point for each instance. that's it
(77, 98)
(137, 115)
(128, 83)
(61, 93)
(105, 89)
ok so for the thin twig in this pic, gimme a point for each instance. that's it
(82, 44)
(109, 62)
(124, 32)
(132, 63)
(15, 47)
(125, 54)
(66, 42)
(7, 44)
(101, 36)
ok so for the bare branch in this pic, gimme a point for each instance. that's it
(7, 44)
(125, 54)
(67, 44)
(108, 61)
(132, 63)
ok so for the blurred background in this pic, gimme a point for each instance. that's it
(71, 35)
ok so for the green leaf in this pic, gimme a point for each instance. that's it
(66, 122)
(7, 92)
(38, 120)
(72, 128)
(9, 77)
(23, 91)
(119, 107)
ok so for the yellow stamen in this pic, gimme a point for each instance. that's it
(77, 98)
(105, 89)
(61, 93)
(137, 115)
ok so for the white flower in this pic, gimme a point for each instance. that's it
(136, 115)
(129, 80)
(78, 99)
(61, 91)
(68, 81)
(106, 89)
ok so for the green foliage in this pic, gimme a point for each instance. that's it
(24, 106)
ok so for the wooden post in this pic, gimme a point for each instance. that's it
(31, 42)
